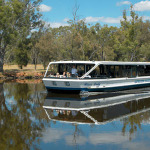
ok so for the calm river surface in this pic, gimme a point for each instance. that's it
(32, 119)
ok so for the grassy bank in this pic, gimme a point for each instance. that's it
(28, 72)
(29, 67)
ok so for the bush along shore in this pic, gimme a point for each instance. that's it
(21, 75)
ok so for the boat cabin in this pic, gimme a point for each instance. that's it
(97, 69)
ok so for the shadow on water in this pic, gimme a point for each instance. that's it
(26, 113)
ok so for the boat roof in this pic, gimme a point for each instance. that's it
(101, 62)
(73, 62)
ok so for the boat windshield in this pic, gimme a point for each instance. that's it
(68, 70)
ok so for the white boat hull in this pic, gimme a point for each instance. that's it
(112, 84)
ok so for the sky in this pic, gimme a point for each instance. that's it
(58, 12)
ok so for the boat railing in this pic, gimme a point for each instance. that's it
(87, 77)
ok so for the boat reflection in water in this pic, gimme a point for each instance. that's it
(96, 109)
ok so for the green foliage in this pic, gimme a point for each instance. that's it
(18, 18)
(133, 37)
(35, 36)
(78, 41)
(46, 46)
(21, 55)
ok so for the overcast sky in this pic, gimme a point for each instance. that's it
(58, 12)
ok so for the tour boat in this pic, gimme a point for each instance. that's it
(96, 76)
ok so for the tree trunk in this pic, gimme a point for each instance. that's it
(1, 94)
(2, 54)
(72, 50)
(35, 64)
(20, 66)
(1, 62)
(44, 65)
(102, 55)
(132, 55)
(83, 54)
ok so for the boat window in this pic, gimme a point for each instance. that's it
(147, 70)
(111, 71)
(114, 71)
(134, 71)
(95, 73)
(80, 70)
(143, 70)
(88, 67)
(127, 71)
(52, 71)
(103, 71)
(99, 72)
(64, 70)
(118, 73)
(140, 70)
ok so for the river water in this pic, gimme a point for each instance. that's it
(31, 118)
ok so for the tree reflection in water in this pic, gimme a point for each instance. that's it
(132, 123)
(22, 118)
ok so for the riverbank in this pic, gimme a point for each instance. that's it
(12, 72)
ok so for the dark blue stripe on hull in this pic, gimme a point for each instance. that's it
(70, 90)
(98, 89)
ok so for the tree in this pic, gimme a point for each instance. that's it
(21, 54)
(74, 33)
(18, 18)
(131, 30)
(102, 38)
(46, 47)
(35, 36)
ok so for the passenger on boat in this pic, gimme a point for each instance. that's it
(57, 75)
(74, 113)
(68, 112)
(64, 74)
(50, 75)
(68, 75)
(74, 71)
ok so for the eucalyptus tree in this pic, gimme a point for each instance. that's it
(131, 31)
(46, 46)
(18, 18)
(22, 54)
(76, 39)
(144, 41)
(93, 42)
(34, 54)
(102, 38)
(62, 41)
(83, 40)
